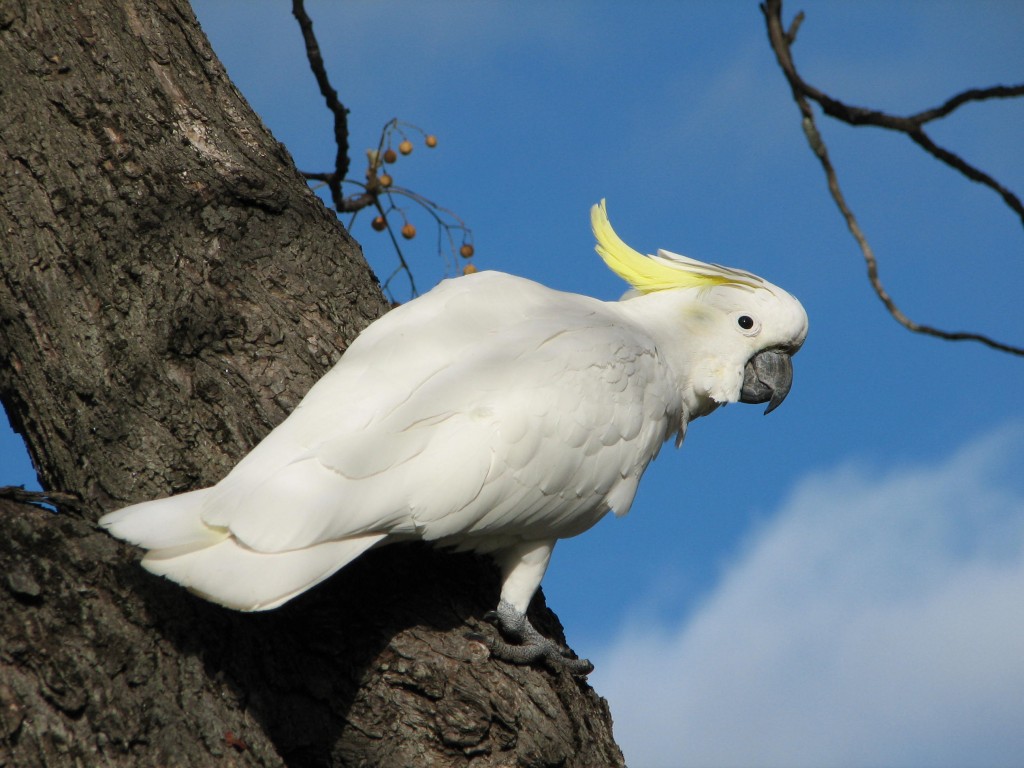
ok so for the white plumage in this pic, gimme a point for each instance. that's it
(490, 414)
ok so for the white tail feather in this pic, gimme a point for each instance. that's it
(211, 562)
(165, 523)
(237, 577)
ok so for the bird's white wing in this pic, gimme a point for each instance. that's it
(492, 410)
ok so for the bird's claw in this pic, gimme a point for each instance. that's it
(477, 637)
(553, 655)
(528, 645)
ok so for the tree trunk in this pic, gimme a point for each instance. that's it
(169, 289)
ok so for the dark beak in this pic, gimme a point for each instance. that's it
(767, 378)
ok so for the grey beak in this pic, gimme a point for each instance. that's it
(767, 378)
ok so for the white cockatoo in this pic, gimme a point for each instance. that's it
(491, 414)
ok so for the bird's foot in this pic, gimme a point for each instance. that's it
(527, 644)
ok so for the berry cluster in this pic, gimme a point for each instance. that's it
(381, 184)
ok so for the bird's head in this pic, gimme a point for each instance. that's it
(733, 332)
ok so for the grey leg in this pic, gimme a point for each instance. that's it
(527, 644)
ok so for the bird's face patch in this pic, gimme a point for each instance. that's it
(739, 330)
(756, 332)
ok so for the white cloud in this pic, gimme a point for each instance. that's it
(877, 620)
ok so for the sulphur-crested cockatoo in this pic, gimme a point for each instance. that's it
(491, 414)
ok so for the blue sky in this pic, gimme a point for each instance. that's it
(838, 583)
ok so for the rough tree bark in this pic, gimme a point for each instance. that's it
(169, 289)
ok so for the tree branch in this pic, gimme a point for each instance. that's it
(316, 63)
(953, 160)
(973, 94)
(377, 183)
(781, 41)
(67, 502)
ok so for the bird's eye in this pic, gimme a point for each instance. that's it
(748, 325)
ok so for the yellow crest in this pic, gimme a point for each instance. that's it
(663, 272)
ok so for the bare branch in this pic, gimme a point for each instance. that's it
(316, 63)
(974, 94)
(781, 41)
(911, 125)
(378, 181)
(66, 502)
(403, 265)
(974, 174)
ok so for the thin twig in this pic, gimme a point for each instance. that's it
(910, 125)
(781, 41)
(64, 501)
(953, 160)
(316, 63)
(375, 186)
(974, 94)
(402, 263)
